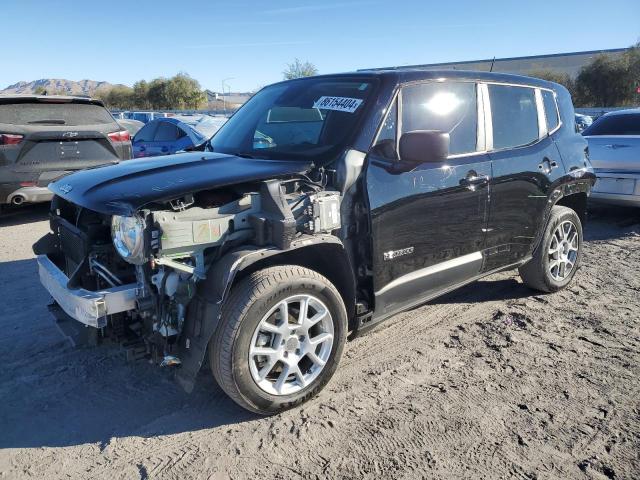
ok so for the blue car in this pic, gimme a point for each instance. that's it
(166, 136)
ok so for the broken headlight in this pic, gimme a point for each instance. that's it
(128, 238)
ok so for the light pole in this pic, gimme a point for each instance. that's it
(224, 104)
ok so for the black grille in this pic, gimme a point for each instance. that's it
(72, 242)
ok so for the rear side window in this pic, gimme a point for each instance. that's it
(72, 114)
(623, 124)
(514, 116)
(146, 133)
(449, 107)
(550, 110)
(167, 132)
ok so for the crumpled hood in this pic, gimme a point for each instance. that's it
(124, 188)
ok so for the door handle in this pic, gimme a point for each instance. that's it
(473, 180)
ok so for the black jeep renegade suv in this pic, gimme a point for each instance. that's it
(322, 207)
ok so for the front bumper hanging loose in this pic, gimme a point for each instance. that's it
(85, 306)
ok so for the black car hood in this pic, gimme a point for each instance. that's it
(124, 188)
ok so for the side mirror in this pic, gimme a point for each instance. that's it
(424, 146)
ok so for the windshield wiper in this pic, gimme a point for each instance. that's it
(48, 122)
(243, 155)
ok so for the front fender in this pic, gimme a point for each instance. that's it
(204, 311)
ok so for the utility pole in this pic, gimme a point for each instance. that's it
(224, 103)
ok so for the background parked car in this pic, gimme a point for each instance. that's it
(166, 136)
(45, 137)
(132, 126)
(614, 149)
(144, 117)
(583, 121)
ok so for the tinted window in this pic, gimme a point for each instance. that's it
(385, 145)
(54, 114)
(166, 132)
(623, 124)
(550, 109)
(448, 107)
(145, 134)
(514, 115)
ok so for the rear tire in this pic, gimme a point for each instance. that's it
(558, 256)
(265, 363)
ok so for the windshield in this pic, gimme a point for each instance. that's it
(310, 119)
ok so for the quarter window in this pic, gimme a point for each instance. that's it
(449, 107)
(550, 110)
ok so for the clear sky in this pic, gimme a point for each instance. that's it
(252, 41)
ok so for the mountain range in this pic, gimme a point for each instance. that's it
(58, 86)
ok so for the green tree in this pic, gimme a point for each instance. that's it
(157, 94)
(605, 82)
(120, 97)
(141, 94)
(631, 58)
(299, 69)
(184, 92)
(177, 93)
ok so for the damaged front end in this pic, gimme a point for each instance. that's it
(137, 279)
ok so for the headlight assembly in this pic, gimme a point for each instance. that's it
(128, 238)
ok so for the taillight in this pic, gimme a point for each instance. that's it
(122, 136)
(10, 139)
(28, 184)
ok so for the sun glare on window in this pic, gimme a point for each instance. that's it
(443, 103)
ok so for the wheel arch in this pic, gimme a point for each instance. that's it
(328, 259)
(324, 254)
(573, 196)
(576, 202)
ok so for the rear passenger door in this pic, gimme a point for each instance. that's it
(525, 165)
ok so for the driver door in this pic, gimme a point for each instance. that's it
(428, 224)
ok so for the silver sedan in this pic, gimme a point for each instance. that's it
(614, 150)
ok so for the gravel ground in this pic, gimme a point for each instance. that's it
(492, 381)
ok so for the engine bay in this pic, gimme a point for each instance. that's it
(168, 247)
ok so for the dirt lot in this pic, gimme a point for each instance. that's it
(493, 381)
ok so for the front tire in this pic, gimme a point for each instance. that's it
(558, 256)
(280, 338)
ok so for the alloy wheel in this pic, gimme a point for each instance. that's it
(291, 345)
(563, 251)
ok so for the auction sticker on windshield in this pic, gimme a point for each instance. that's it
(340, 104)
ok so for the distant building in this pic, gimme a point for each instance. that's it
(569, 63)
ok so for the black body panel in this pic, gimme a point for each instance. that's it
(430, 211)
(124, 188)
